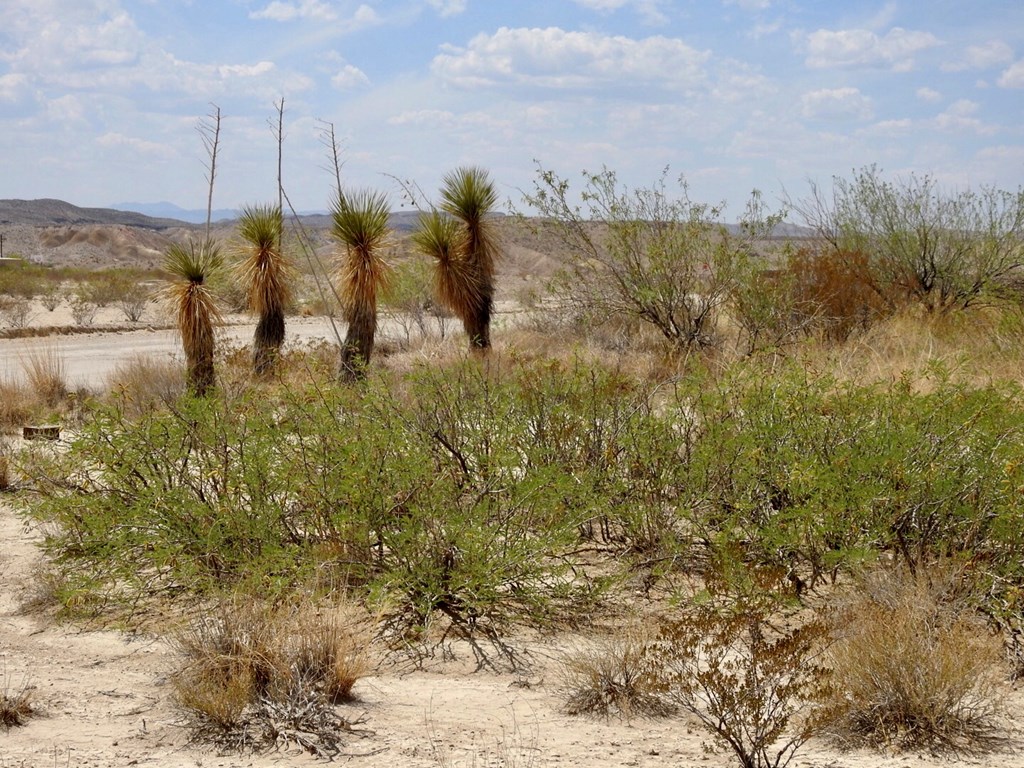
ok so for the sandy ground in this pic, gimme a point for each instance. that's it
(90, 358)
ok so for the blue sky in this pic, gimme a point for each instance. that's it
(99, 99)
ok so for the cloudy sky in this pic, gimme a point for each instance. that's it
(99, 99)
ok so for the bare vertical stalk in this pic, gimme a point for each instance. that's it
(209, 130)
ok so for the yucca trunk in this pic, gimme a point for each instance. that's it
(267, 341)
(359, 340)
(198, 344)
(265, 273)
(361, 224)
(469, 195)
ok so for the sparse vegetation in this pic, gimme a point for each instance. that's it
(915, 667)
(255, 677)
(629, 457)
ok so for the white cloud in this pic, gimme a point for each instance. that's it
(991, 54)
(959, 118)
(448, 7)
(650, 10)
(863, 48)
(245, 70)
(750, 5)
(116, 140)
(836, 104)
(558, 60)
(1013, 77)
(307, 9)
(928, 94)
(12, 86)
(349, 78)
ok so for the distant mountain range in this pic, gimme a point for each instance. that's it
(165, 210)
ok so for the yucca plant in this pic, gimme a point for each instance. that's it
(469, 195)
(360, 223)
(265, 272)
(442, 238)
(194, 307)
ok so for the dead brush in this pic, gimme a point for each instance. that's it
(146, 383)
(914, 668)
(613, 677)
(46, 374)
(15, 703)
(256, 677)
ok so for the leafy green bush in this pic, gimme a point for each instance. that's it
(817, 475)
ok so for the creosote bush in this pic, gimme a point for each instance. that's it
(749, 682)
(915, 667)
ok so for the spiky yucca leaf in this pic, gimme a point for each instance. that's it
(470, 196)
(456, 284)
(265, 273)
(360, 223)
(194, 307)
(263, 270)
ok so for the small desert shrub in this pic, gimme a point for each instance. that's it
(83, 312)
(51, 296)
(836, 291)
(613, 678)
(914, 668)
(15, 703)
(258, 677)
(748, 681)
(16, 312)
(133, 302)
(144, 383)
(47, 377)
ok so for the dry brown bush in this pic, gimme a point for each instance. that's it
(837, 291)
(914, 667)
(144, 383)
(613, 677)
(257, 677)
(47, 377)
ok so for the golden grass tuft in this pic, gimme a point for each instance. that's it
(614, 677)
(914, 668)
(255, 674)
(46, 374)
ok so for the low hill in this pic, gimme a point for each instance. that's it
(46, 213)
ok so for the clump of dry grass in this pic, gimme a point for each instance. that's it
(46, 373)
(257, 677)
(614, 677)
(16, 404)
(914, 668)
(15, 703)
(144, 383)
